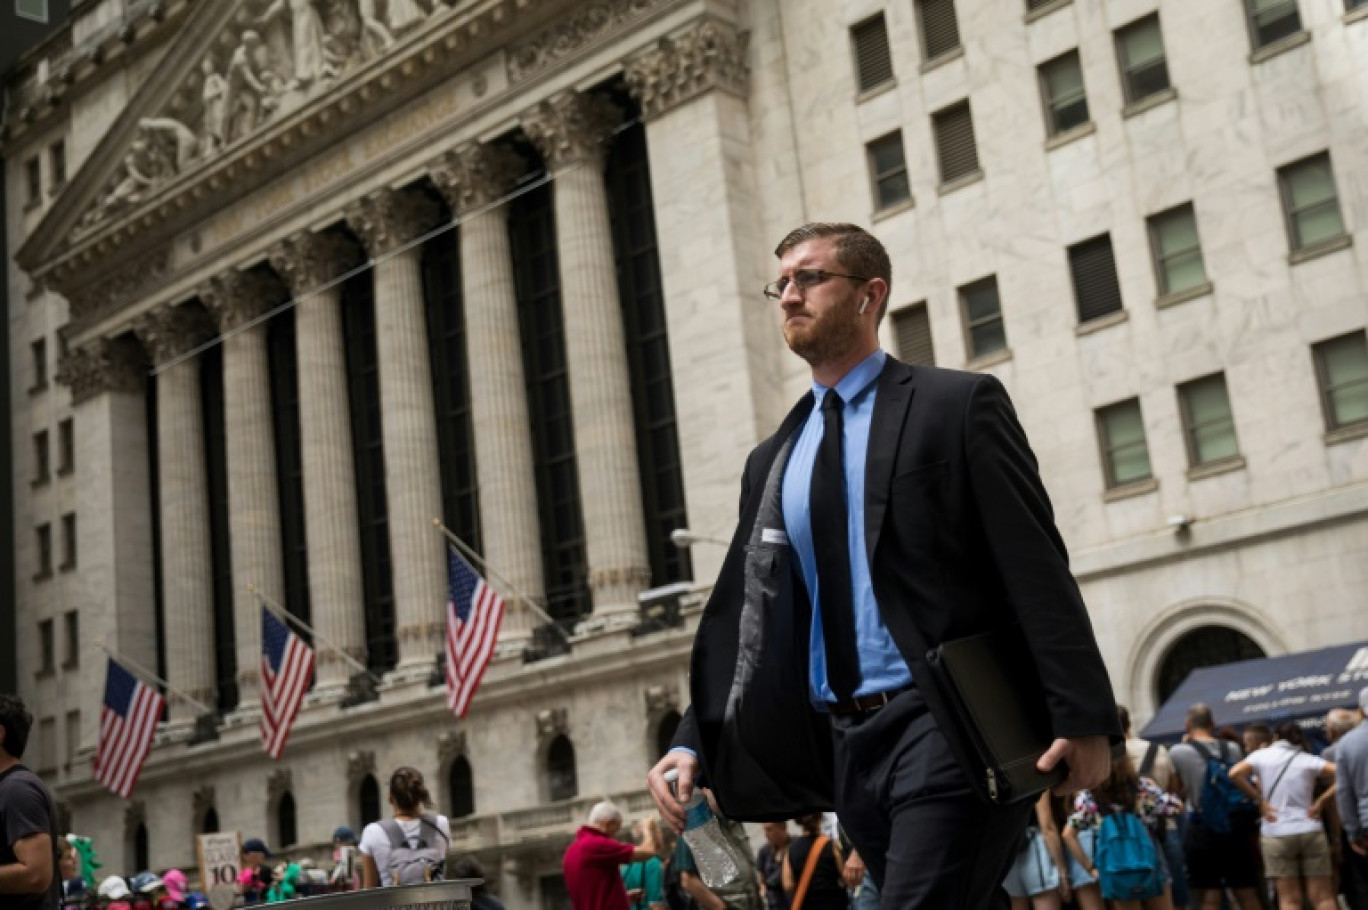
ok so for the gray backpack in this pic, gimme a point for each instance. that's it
(415, 863)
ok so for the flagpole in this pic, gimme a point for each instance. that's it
(526, 601)
(119, 658)
(289, 617)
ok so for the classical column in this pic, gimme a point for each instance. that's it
(388, 221)
(305, 262)
(182, 478)
(712, 249)
(571, 130)
(234, 299)
(471, 178)
(108, 382)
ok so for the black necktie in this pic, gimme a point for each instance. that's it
(830, 542)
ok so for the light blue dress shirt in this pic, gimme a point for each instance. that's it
(882, 666)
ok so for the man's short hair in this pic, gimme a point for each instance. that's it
(1261, 730)
(1340, 721)
(16, 722)
(1123, 715)
(1199, 717)
(858, 251)
(603, 813)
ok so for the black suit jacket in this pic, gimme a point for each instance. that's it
(961, 540)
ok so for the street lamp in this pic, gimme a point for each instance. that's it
(684, 538)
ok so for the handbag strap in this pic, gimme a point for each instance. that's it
(808, 868)
(1290, 761)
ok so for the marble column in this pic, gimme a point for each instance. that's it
(306, 261)
(182, 476)
(692, 90)
(571, 130)
(117, 599)
(472, 177)
(234, 299)
(388, 221)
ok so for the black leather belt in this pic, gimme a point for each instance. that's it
(864, 704)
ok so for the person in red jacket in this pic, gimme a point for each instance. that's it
(591, 861)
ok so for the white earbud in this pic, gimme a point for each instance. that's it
(864, 306)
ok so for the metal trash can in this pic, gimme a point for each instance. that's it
(449, 895)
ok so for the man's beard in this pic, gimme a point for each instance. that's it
(824, 338)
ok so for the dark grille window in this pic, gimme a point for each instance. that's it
(368, 447)
(1140, 48)
(68, 541)
(1208, 423)
(287, 831)
(451, 385)
(461, 788)
(983, 325)
(1066, 102)
(873, 62)
(912, 329)
(1272, 20)
(648, 354)
(1342, 368)
(1121, 432)
(220, 529)
(954, 128)
(562, 781)
(889, 170)
(532, 227)
(1093, 268)
(1311, 201)
(280, 346)
(940, 31)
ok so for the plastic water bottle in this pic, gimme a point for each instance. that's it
(713, 853)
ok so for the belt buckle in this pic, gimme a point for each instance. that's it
(880, 699)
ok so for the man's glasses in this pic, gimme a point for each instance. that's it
(804, 280)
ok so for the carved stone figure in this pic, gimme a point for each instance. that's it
(136, 177)
(375, 37)
(215, 96)
(251, 88)
(186, 143)
(306, 30)
(405, 15)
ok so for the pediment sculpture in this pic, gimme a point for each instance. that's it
(274, 57)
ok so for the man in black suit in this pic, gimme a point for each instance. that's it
(896, 506)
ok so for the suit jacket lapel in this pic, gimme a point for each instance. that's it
(890, 410)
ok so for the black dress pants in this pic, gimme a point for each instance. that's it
(927, 839)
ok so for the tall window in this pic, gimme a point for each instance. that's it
(220, 530)
(940, 30)
(68, 542)
(562, 781)
(888, 169)
(461, 787)
(984, 330)
(912, 330)
(43, 537)
(1140, 50)
(1311, 202)
(532, 227)
(955, 147)
(1121, 432)
(41, 466)
(47, 647)
(210, 823)
(1208, 425)
(57, 158)
(1066, 102)
(71, 620)
(665, 731)
(141, 848)
(1092, 266)
(1177, 251)
(1272, 20)
(38, 348)
(873, 62)
(451, 385)
(66, 447)
(284, 365)
(368, 800)
(1342, 369)
(368, 446)
(648, 354)
(33, 181)
(287, 828)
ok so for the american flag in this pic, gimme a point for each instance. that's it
(286, 668)
(128, 721)
(474, 612)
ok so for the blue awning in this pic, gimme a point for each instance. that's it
(1300, 687)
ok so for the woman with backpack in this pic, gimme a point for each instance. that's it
(1127, 858)
(411, 847)
(1291, 838)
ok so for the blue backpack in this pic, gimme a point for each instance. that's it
(1127, 862)
(1220, 797)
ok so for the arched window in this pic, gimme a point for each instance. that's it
(141, 850)
(368, 800)
(1206, 646)
(210, 823)
(561, 780)
(286, 830)
(665, 732)
(461, 788)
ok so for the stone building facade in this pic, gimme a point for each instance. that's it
(291, 279)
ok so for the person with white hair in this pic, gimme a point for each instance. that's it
(591, 861)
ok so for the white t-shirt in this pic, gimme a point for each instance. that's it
(375, 843)
(1293, 795)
